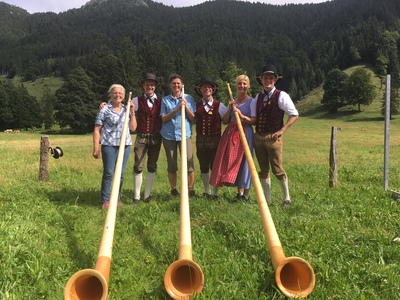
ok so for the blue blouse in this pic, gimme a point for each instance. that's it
(172, 130)
(112, 123)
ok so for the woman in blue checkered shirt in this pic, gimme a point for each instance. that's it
(107, 133)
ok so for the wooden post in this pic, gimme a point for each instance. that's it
(44, 158)
(387, 135)
(333, 169)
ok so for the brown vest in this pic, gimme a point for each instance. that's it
(148, 121)
(270, 116)
(208, 123)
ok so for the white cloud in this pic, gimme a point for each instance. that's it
(57, 6)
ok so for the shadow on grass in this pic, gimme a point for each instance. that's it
(67, 202)
(80, 257)
(77, 197)
(347, 116)
(91, 197)
(238, 241)
(316, 111)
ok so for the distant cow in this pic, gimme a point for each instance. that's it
(8, 130)
(16, 131)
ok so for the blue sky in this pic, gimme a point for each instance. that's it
(57, 6)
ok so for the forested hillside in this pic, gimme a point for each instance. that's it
(304, 41)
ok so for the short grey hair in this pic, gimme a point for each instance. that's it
(114, 86)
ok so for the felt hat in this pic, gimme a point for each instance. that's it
(268, 69)
(203, 81)
(149, 76)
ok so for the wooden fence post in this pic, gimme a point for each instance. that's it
(333, 163)
(387, 135)
(44, 158)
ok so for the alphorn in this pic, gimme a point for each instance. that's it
(92, 284)
(294, 276)
(184, 278)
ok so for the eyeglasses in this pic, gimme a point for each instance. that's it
(117, 93)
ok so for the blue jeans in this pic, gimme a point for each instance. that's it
(110, 154)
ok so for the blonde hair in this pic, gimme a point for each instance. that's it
(113, 87)
(243, 77)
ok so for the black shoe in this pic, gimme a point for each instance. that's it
(192, 193)
(239, 197)
(136, 201)
(286, 203)
(242, 198)
(205, 195)
(148, 199)
(174, 192)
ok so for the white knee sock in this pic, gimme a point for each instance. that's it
(205, 177)
(149, 184)
(215, 190)
(285, 188)
(137, 184)
(266, 184)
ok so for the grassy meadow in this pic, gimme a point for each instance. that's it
(349, 234)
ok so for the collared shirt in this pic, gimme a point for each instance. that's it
(284, 102)
(112, 123)
(149, 103)
(207, 106)
(172, 130)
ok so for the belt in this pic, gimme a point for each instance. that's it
(147, 134)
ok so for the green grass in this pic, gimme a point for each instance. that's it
(349, 234)
(40, 86)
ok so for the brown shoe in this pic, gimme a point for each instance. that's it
(174, 192)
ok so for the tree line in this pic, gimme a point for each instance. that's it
(116, 41)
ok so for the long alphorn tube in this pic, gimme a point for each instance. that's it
(294, 276)
(184, 278)
(92, 284)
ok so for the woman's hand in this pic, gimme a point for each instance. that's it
(96, 154)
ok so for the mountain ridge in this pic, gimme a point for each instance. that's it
(305, 41)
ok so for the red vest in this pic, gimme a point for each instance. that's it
(208, 123)
(270, 116)
(148, 121)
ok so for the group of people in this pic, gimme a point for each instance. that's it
(221, 155)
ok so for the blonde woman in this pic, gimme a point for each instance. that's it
(230, 166)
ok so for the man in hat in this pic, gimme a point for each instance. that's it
(209, 113)
(148, 137)
(272, 104)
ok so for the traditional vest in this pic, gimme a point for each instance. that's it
(208, 123)
(270, 116)
(148, 121)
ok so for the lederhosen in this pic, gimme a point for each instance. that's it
(269, 121)
(148, 138)
(208, 130)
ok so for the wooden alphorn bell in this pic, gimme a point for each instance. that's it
(92, 284)
(184, 278)
(294, 276)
